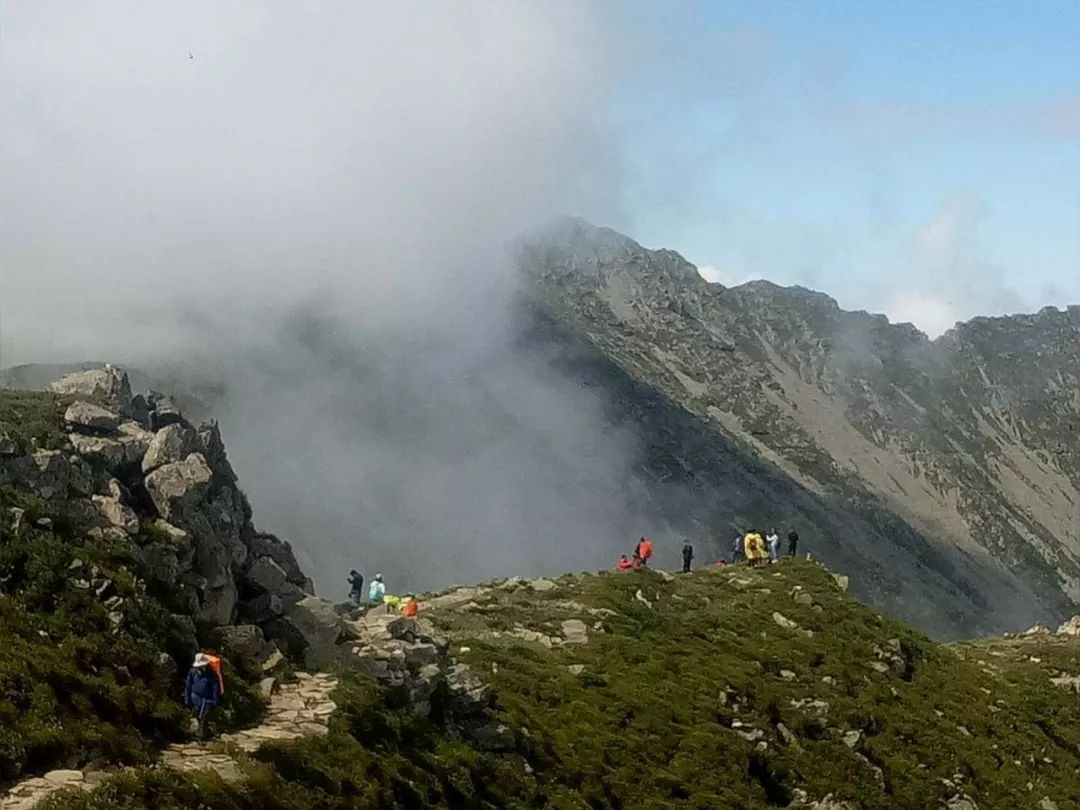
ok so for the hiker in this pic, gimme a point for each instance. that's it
(411, 607)
(377, 590)
(687, 556)
(750, 549)
(773, 541)
(792, 542)
(737, 549)
(643, 550)
(203, 690)
(356, 587)
(624, 563)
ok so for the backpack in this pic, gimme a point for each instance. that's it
(215, 667)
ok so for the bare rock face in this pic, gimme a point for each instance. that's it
(109, 385)
(134, 469)
(317, 624)
(87, 416)
(169, 445)
(177, 488)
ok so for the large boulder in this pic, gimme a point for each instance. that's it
(107, 385)
(318, 624)
(100, 450)
(177, 488)
(169, 445)
(163, 411)
(48, 474)
(86, 416)
(134, 439)
(8, 446)
(242, 641)
(266, 575)
(117, 513)
(268, 545)
(212, 447)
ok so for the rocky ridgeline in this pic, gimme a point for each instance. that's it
(134, 469)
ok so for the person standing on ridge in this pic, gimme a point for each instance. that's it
(773, 541)
(377, 590)
(643, 550)
(356, 587)
(792, 542)
(202, 692)
(687, 556)
(737, 549)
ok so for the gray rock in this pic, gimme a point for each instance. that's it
(961, 801)
(803, 598)
(268, 545)
(263, 608)
(134, 440)
(266, 575)
(108, 385)
(217, 603)
(169, 445)
(176, 488)
(575, 631)
(541, 585)
(784, 621)
(212, 447)
(117, 513)
(242, 641)
(266, 687)
(493, 737)
(420, 655)
(8, 446)
(315, 620)
(851, 738)
(86, 416)
(163, 411)
(102, 450)
(841, 581)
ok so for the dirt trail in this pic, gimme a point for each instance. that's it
(299, 709)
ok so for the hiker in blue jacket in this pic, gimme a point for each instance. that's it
(202, 692)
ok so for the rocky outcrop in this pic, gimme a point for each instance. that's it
(134, 469)
(108, 385)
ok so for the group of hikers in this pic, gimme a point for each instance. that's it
(753, 547)
(377, 595)
(205, 685)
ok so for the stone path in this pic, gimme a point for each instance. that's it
(296, 710)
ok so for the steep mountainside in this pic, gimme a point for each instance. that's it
(947, 472)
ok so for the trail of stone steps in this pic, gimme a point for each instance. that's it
(296, 710)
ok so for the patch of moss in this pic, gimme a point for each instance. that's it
(30, 417)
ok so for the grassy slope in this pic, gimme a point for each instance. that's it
(653, 719)
(74, 689)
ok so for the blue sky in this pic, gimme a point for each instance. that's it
(917, 158)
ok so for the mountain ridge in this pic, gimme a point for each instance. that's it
(970, 438)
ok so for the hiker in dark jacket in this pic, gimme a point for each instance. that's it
(356, 587)
(202, 692)
(687, 556)
(792, 542)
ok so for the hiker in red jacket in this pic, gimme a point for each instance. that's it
(643, 550)
(624, 564)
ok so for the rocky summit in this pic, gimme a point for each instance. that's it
(946, 473)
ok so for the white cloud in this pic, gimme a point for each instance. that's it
(932, 314)
(729, 278)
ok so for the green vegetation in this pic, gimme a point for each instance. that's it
(700, 700)
(81, 675)
(26, 415)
